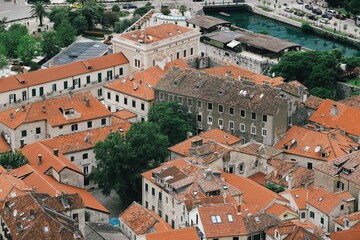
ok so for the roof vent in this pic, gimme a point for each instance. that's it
(11, 116)
(39, 159)
(333, 110)
(43, 108)
(87, 102)
(135, 86)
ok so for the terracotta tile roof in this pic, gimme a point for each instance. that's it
(22, 171)
(278, 210)
(283, 229)
(312, 144)
(11, 186)
(192, 203)
(124, 114)
(259, 178)
(351, 234)
(56, 73)
(47, 184)
(239, 73)
(349, 163)
(141, 220)
(262, 199)
(353, 217)
(58, 203)
(301, 233)
(299, 196)
(50, 111)
(188, 233)
(259, 150)
(260, 222)
(4, 146)
(84, 140)
(346, 117)
(141, 84)
(325, 201)
(352, 101)
(217, 135)
(285, 170)
(309, 226)
(49, 160)
(313, 102)
(44, 224)
(293, 87)
(157, 33)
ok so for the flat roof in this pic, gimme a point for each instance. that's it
(207, 21)
(223, 36)
(266, 42)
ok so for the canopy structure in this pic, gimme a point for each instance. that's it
(171, 18)
(208, 23)
(233, 44)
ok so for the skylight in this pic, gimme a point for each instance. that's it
(216, 219)
(230, 218)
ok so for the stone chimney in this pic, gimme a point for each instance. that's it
(39, 159)
(333, 110)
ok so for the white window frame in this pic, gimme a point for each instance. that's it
(242, 124)
(208, 120)
(251, 130)
(262, 132)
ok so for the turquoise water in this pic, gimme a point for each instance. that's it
(257, 23)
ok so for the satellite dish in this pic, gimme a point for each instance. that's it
(317, 149)
(293, 141)
(15, 213)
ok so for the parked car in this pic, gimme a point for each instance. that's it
(129, 6)
(317, 11)
(300, 1)
(326, 15)
(324, 20)
(288, 10)
(312, 17)
(299, 13)
(340, 16)
(309, 7)
(331, 12)
(357, 20)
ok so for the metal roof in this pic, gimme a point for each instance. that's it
(207, 21)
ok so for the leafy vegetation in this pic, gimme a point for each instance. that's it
(12, 160)
(275, 188)
(38, 10)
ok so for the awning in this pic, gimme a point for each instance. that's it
(233, 44)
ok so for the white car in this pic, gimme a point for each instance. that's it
(324, 20)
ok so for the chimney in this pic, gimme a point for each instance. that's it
(228, 74)
(87, 138)
(87, 102)
(39, 159)
(56, 152)
(70, 94)
(43, 108)
(333, 110)
(208, 174)
(11, 116)
(135, 86)
(22, 108)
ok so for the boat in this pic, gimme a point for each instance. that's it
(224, 14)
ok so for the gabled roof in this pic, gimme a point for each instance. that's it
(47, 184)
(81, 141)
(301, 233)
(156, 33)
(313, 144)
(278, 210)
(56, 73)
(283, 229)
(4, 146)
(188, 233)
(299, 195)
(351, 234)
(263, 197)
(141, 84)
(11, 186)
(53, 111)
(325, 201)
(124, 114)
(345, 117)
(353, 217)
(49, 159)
(313, 102)
(353, 101)
(142, 220)
(259, 150)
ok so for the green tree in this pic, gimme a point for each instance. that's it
(38, 10)
(321, 92)
(65, 33)
(353, 6)
(28, 48)
(59, 14)
(121, 161)
(115, 8)
(12, 160)
(80, 24)
(4, 62)
(50, 44)
(182, 9)
(2, 24)
(275, 188)
(11, 38)
(109, 19)
(165, 11)
(143, 10)
(93, 13)
(174, 120)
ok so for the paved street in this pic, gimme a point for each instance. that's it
(14, 10)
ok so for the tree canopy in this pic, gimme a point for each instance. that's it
(120, 160)
(173, 119)
(50, 44)
(38, 10)
(12, 160)
(28, 48)
(353, 6)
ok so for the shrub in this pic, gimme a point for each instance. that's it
(115, 8)
(93, 34)
(307, 27)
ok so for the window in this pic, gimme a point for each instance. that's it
(65, 84)
(242, 127)
(161, 96)
(137, 63)
(210, 106)
(121, 71)
(153, 191)
(177, 55)
(99, 77)
(242, 113)
(210, 120)
(38, 130)
(146, 187)
(85, 156)
(322, 220)
(264, 132)
(46, 229)
(264, 118)
(221, 108)
(33, 92)
(72, 158)
(180, 99)
(54, 87)
(74, 127)
(172, 223)
(347, 223)
(342, 207)
(86, 170)
(309, 165)
(125, 101)
(215, 219)
(253, 130)
(253, 116)
(88, 79)
(153, 208)
(75, 216)
(340, 185)
(133, 104)
(100, 92)
(220, 123)
(189, 102)
(166, 218)
(199, 104)
(231, 111)
(191, 51)
(41, 90)
(89, 124)
(103, 121)
(235, 238)
(241, 167)
(231, 125)
(184, 53)
(23, 133)
(109, 95)
(109, 75)
(302, 215)
(312, 214)
(199, 118)
(160, 196)
(230, 218)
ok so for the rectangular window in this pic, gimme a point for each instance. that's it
(166, 218)
(309, 165)
(210, 106)
(66, 85)
(210, 120)
(133, 104)
(242, 113)
(302, 215)
(264, 118)
(72, 158)
(121, 71)
(312, 214)
(99, 77)
(103, 121)
(173, 224)
(177, 55)
(89, 124)
(88, 80)
(199, 118)
(38, 130)
(220, 123)
(253, 130)
(184, 53)
(86, 170)
(85, 156)
(100, 92)
(221, 108)
(160, 196)
(146, 204)
(142, 107)
(153, 191)
(23, 133)
(74, 127)
(54, 87)
(109, 95)
(191, 51)
(109, 75)
(189, 102)
(125, 101)
(33, 92)
(41, 90)
(241, 167)
(264, 132)
(146, 187)
(322, 220)
(231, 111)
(161, 96)
(180, 99)
(117, 98)
(242, 127)
(231, 125)
(199, 104)
(153, 208)
(253, 116)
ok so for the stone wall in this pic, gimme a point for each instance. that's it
(344, 90)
